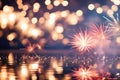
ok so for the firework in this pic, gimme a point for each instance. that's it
(85, 74)
(83, 41)
(113, 23)
(99, 32)
(102, 37)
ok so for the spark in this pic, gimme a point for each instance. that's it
(100, 31)
(85, 74)
(114, 22)
(102, 37)
(83, 41)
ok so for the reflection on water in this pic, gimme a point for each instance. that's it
(54, 67)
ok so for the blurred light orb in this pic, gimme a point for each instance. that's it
(23, 13)
(65, 13)
(12, 18)
(56, 3)
(99, 10)
(59, 29)
(35, 33)
(11, 36)
(54, 36)
(60, 36)
(33, 66)
(19, 3)
(91, 7)
(118, 40)
(72, 19)
(36, 7)
(116, 2)
(47, 2)
(105, 8)
(34, 20)
(24, 70)
(4, 21)
(8, 9)
(79, 12)
(118, 66)
(110, 12)
(49, 7)
(65, 3)
(114, 8)
(24, 26)
(42, 20)
(25, 7)
(65, 41)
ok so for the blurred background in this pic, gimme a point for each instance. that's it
(36, 36)
(49, 24)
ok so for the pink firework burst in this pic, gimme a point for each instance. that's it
(99, 32)
(83, 41)
(85, 74)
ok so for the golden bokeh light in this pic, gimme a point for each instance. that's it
(65, 3)
(34, 77)
(3, 20)
(36, 7)
(91, 7)
(79, 12)
(46, 15)
(60, 36)
(118, 40)
(50, 6)
(24, 26)
(59, 29)
(34, 20)
(12, 18)
(25, 7)
(47, 2)
(11, 36)
(59, 70)
(64, 13)
(65, 41)
(8, 9)
(99, 10)
(35, 33)
(42, 20)
(72, 19)
(110, 12)
(19, 3)
(10, 59)
(23, 72)
(56, 3)
(114, 8)
(54, 36)
(3, 75)
(34, 66)
(116, 2)
(118, 66)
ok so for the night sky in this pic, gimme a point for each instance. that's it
(90, 17)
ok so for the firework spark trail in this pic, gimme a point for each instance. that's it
(113, 23)
(85, 74)
(102, 36)
(83, 41)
